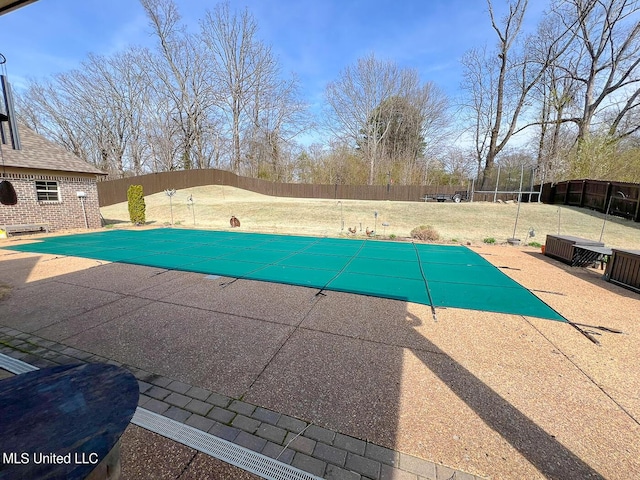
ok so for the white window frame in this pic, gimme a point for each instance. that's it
(47, 191)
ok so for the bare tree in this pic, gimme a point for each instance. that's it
(434, 129)
(132, 89)
(383, 110)
(278, 116)
(162, 136)
(353, 99)
(261, 107)
(411, 127)
(508, 82)
(604, 61)
(555, 94)
(507, 35)
(239, 62)
(479, 84)
(114, 94)
(168, 108)
(47, 110)
(182, 75)
(78, 111)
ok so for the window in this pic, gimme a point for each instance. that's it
(47, 191)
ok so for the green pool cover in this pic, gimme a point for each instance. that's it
(438, 275)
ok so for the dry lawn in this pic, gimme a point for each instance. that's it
(463, 222)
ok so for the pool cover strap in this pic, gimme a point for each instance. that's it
(248, 274)
(426, 284)
(326, 285)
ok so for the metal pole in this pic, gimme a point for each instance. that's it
(540, 193)
(542, 176)
(170, 193)
(86, 222)
(607, 213)
(495, 195)
(190, 204)
(473, 188)
(519, 202)
(605, 218)
(171, 208)
(558, 220)
(531, 189)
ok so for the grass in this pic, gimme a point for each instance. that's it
(466, 222)
(4, 290)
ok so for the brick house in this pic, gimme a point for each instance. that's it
(49, 182)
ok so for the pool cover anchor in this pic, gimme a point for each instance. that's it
(226, 284)
(584, 332)
(433, 312)
(547, 291)
(600, 327)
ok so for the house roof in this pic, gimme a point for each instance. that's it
(7, 6)
(41, 154)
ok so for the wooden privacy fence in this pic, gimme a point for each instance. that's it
(115, 191)
(620, 198)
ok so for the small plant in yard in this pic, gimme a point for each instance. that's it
(425, 233)
(454, 240)
(489, 240)
(137, 207)
(534, 244)
(392, 236)
(5, 289)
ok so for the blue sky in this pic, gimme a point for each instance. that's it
(316, 39)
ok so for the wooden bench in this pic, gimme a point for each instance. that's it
(25, 227)
(624, 269)
(587, 255)
(563, 247)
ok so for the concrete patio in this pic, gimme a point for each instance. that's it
(377, 387)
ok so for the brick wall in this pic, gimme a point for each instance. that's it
(65, 214)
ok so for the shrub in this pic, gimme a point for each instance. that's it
(425, 233)
(489, 240)
(137, 207)
(392, 236)
(534, 244)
